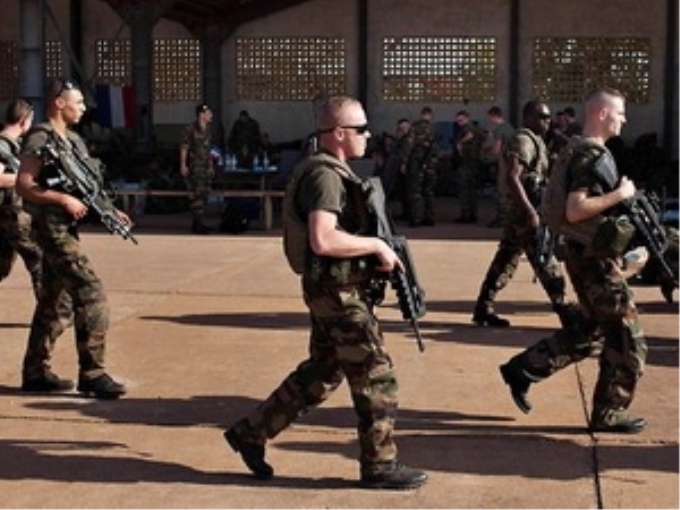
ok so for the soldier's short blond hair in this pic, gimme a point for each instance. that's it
(329, 111)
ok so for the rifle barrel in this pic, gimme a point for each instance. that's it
(419, 339)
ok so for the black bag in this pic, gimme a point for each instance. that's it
(234, 218)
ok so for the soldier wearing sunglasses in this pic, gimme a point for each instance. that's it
(329, 241)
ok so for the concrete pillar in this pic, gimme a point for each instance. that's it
(514, 78)
(31, 62)
(141, 18)
(141, 30)
(212, 76)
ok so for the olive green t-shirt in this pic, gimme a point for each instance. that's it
(321, 190)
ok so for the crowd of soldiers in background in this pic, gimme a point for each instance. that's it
(415, 165)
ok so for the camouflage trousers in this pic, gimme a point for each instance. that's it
(16, 238)
(518, 237)
(200, 185)
(68, 281)
(345, 342)
(467, 189)
(420, 183)
(607, 301)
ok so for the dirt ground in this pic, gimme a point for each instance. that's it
(204, 327)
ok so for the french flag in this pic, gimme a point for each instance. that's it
(115, 106)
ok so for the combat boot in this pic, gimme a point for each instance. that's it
(48, 383)
(391, 475)
(483, 317)
(252, 454)
(617, 422)
(519, 384)
(102, 387)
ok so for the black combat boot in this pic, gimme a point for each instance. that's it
(483, 317)
(49, 382)
(519, 384)
(617, 422)
(102, 387)
(391, 475)
(252, 454)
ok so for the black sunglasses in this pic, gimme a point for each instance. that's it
(362, 129)
(64, 86)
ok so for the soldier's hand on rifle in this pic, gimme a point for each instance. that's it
(626, 188)
(73, 206)
(123, 217)
(388, 259)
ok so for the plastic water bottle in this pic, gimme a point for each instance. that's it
(265, 163)
(257, 163)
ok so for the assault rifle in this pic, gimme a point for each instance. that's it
(544, 245)
(644, 211)
(410, 294)
(75, 175)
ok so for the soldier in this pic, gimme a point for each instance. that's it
(523, 167)
(66, 270)
(393, 175)
(598, 281)
(420, 169)
(468, 151)
(15, 223)
(196, 164)
(499, 134)
(329, 240)
(244, 138)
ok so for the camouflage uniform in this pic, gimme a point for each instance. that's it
(198, 142)
(66, 272)
(518, 237)
(469, 165)
(15, 227)
(346, 340)
(420, 171)
(607, 302)
(394, 160)
(503, 132)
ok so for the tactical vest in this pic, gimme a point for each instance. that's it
(533, 178)
(577, 153)
(358, 220)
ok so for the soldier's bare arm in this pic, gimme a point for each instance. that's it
(327, 240)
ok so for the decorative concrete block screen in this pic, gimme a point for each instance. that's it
(567, 69)
(176, 67)
(54, 60)
(113, 61)
(289, 68)
(9, 69)
(177, 70)
(439, 69)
